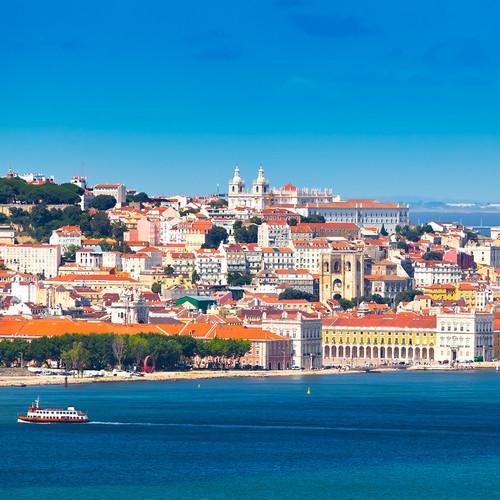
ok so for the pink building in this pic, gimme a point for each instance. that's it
(459, 257)
(148, 229)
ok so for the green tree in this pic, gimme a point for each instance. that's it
(403, 246)
(314, 218)
(220, 203)
(245, 234)
(383, 231)
(119, 350)
(103, 202)
(432, 255)
(346, 303)
(169, 270)
(100, 226)
(141, 197)
(214, 237)
(406, 296)
(76, 358)
(195, 277)
(293, 294)
(137, 348)
(255, 220)
(238, 279)
(70, 254)
(118, 228)
(156, 287)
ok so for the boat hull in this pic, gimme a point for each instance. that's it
(38, 420)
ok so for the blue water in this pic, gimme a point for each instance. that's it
(406, 435)
(468, 218)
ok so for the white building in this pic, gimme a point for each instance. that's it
(7, 235)
(308, 253)
(274, 234)
(24, 289)
(88, 257)
(486, 255)
(277, 258)
(291, 195)
(112, 260)
(33, 259)
(305, 332)
(211, 267)
(79, 181)
(464, 336)
(363, 212)
(436, 272)
(258, 198)
(136, 263)
(117, 191)
(66, 236)
(387, 286)
(130, 309)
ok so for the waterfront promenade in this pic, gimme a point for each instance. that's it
(34, 380)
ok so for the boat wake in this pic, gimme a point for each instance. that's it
(292, 427)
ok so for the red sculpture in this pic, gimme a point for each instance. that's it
(149, 364)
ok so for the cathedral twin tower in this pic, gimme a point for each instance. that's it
(258, 198)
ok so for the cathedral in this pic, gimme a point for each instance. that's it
(258, 198)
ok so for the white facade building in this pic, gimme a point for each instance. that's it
(258, 198)
(87, 257)
(66, 236)
(277, 258)
(464, 336)
(130, 309)
(486, 255)
(211, 267)
(305, 332)
(274, 234)
(307, 254)
(436, 273)
(33, 259)
(363, 212)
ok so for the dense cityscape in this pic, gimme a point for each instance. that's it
(103, 277)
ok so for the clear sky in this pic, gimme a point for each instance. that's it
(391, 99)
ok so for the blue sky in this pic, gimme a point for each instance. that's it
(388, 99)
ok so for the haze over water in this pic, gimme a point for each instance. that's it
(405, 435)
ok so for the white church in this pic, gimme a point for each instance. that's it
(261, 197)
(258, 198)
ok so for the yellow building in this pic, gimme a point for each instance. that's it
(378, 339)
(440, 291)
(472, 294)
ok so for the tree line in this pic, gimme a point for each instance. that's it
(40, 222)
(15, 190)
(107, 351)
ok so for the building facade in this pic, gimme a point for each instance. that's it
(342, 274)
(34, 259)
(304, 330)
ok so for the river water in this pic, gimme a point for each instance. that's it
(378, 435)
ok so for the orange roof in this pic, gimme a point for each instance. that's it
(68, 278)
(50, 327)
(224, 331)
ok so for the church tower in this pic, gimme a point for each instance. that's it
(260, 190)
(236, 189)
